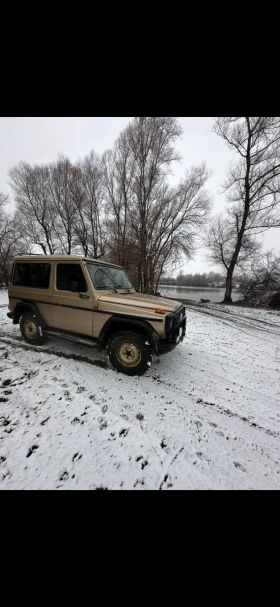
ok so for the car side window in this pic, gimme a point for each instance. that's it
(32, 275)
(66, 273)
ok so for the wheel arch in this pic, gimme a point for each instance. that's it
(116, 324)
(23, 307)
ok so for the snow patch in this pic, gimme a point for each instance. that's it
(204, 416)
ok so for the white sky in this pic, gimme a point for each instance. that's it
(39, 140)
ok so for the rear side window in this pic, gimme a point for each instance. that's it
(34, 275)
(68, 272)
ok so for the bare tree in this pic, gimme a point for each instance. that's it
(175, 221)
(4, 231)
(150, 223)
(61, 185)
(146, 217)
(3, 201)
(61, 204)
(263, 279)
(90, 205)
(118, 169)
(151, 144)
(12, 240)
(87, 194)
(252, 189)
(220, 240)
(30, 186)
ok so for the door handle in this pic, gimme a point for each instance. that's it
(83, 296)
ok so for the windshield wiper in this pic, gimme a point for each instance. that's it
(121, 287)
(106, 287)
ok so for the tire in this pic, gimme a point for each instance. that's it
(30, 331)
(129, 353)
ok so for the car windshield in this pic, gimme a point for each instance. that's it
(108, 277)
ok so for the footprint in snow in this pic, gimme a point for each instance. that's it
(166, 484)
(4, 421)
(64, 476)
(31, 450)
(67, 395)
(75, 421)
(76, 456)
(139, 482)
(239, 466)
(103, 424)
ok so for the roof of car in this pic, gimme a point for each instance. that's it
(46, 258)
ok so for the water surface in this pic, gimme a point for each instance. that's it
(196, 293)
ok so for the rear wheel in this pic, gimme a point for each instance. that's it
(129, 353)
(30, 330)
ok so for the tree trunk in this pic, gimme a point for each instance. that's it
(139, 280)
(241, 231)
(41, 244)
(227, 297)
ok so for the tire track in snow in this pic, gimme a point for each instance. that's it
(230, 413)
(60, 354)
(218, 408)
(240, 323)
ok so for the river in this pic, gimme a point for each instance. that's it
(196, 293)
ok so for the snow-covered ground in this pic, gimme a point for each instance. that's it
(205, 416)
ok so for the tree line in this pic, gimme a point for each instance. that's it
(207, 279)
(120, 206)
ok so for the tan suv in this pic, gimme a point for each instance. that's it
(90, 301)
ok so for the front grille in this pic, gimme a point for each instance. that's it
(179, 316)
(174, 320)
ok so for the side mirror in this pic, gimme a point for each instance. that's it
(75, 286)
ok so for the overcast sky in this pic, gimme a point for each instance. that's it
(39, 140)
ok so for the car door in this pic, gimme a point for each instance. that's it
(72, 311)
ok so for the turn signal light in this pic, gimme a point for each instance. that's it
(160, 311)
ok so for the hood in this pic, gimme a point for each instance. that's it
(141, 300)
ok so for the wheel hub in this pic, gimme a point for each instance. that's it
(30, 329)
(128, 354)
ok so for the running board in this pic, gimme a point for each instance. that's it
(80, 340)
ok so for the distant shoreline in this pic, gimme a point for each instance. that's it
(193, 287)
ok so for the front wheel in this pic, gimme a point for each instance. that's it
(129, 353)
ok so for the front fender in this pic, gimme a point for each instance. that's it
(25, 306)
(123, 322)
